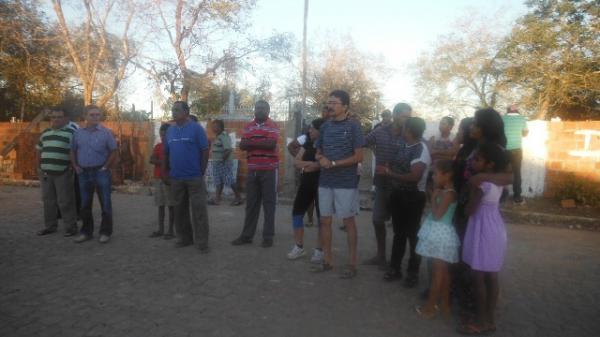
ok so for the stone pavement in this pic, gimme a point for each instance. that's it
(138, 286)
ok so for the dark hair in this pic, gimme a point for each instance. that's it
(493, 153)
(342, 95)
(194, 118)
(262, 101)
(445, 165)
(220, 123)
(61, 108)
(416, 126)
(184, 106)
(386, 112)
(402, 107)
(90, 107)
(491, 125)
(317, 122)
(164, 127)
(449, 120)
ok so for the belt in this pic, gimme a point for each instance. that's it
(92, 168)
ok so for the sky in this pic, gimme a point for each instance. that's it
(399, 30)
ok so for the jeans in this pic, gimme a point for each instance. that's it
(90, 180)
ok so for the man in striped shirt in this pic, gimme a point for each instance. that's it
(56, 174)
(259, 140)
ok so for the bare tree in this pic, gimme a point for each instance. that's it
(93, 49)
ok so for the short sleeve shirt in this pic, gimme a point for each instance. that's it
(221, 144)
(514, 124)
(260, 159)
(407, 156)
(386, 145)
(185, 145)
(339, 140)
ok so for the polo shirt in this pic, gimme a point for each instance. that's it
(514, 124)
(386, 144)
(260, 159)
(55, 145)
(184, 147)
(339, 140)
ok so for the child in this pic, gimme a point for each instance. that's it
(162, 192)
(438, 239)
(485, 239)
(222, 164)
(442, 147)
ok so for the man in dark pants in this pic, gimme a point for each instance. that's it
(515, 127)
(259, 140)
(186, 157)
(93, 151)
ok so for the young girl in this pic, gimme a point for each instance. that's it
(438, 239)
(485, 239)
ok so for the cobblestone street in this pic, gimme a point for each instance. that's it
(139, 286)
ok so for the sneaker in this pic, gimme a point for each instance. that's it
(104, 238)
(82, 238)
(296, 253)
(317, 257)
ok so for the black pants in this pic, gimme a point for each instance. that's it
(261, 188)
(516, 159)
(407, 209)
(308, 191)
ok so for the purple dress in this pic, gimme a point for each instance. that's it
(485, 240)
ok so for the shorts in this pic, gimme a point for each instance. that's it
(162, 194)
(222, 173)
(382, 211)
(341, 202)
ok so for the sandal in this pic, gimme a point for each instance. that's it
(236, 202)
(471, 329)
(422, 313)
(319, 268)
(348, 272)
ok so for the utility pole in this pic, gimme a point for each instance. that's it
(300, 123)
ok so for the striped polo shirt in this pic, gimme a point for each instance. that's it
(339, 140)
(259, 159)
(386, 144)
(55, 145)
(514, 124)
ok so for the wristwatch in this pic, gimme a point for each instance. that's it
(333, 163)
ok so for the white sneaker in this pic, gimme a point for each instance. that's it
(317, 257)
(296, 253)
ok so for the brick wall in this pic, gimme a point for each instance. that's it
(573, 148)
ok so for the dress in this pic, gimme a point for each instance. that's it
(485, 240)
(438, 238)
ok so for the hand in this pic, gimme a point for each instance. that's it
(325, 163)
(382, 170)
(78, 169)
(476, 180)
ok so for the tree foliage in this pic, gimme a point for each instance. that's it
(32, 75)
(553, 57)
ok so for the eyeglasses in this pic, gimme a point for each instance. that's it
(333, 103)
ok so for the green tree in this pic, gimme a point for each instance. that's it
(32, 75)
(552, 57)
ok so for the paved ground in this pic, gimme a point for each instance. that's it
(137, 286)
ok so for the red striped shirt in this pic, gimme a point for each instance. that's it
(259, 159)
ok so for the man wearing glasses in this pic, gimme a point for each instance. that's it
(93, 151)
(56, 174)
(339, 151)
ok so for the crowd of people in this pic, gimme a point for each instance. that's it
(462, 237)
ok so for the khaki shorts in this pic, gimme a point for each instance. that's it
(162, 194)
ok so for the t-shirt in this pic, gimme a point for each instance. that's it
(260, 159)
(339, 140)
(159, 153)
(185, 144)
(386, 145)
(514, 124)
(55, 146)
(407, 156)
(221, 144)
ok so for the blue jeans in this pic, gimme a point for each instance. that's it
(90, 180)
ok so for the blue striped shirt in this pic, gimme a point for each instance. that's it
(386, 145)
(338, 140)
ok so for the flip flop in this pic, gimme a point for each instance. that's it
(422, 313)
(470, 329)
(320, 268)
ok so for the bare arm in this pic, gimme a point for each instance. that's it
(305, 166)
(475, 195)
(154, 160)
(111, 160)
(356, 158)
(164, 168)
(293, 147)
(263, 144)
(73, 155)
(415, 174)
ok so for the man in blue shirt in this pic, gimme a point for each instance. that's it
(93, 151)
(339, 151)
(186, 156)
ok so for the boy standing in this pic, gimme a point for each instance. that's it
(162, 192)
